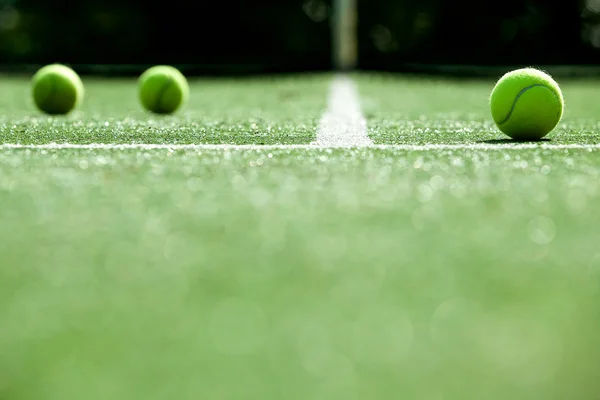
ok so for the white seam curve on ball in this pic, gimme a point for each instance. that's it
(518, 96)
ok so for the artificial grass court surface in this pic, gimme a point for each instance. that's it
(414, 110)
(294, 274)
(282, 110)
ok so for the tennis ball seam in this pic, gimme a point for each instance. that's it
(161, 93)
(521, 93)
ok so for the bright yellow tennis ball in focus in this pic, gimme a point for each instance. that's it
(56, 89)
(162, 89)
(526, 104)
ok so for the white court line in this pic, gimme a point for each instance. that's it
(343, 123)
(398, 147)
(342, 126)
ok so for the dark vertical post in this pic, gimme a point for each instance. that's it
(343, 25)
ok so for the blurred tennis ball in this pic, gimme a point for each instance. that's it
(163, 89)
(526, 104)
(57, 89)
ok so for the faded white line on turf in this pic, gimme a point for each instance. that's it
(342, 124)
(398, 147)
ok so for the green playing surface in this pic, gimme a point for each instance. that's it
(442, 273)
(422, 111)
(281, 110)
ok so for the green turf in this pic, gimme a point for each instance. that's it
(348, 274)
(401, 110)
(295, 274)
(264, 110)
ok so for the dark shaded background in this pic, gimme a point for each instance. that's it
(254, 36)
(204, 36)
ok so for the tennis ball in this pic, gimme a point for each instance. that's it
(56, 89)
(526, 104)
(162, 89)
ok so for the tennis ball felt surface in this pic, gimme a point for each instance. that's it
(526, 104)
(56, 89)
(163, 89)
